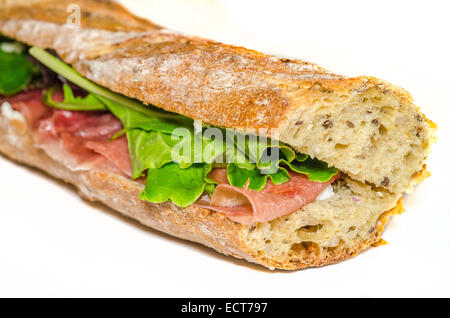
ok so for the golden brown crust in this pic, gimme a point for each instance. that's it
(220, 84)
(106, 15)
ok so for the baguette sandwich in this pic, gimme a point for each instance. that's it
(272, 160)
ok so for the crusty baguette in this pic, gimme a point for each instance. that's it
(364, 126)
(321, 233)
(242, 89)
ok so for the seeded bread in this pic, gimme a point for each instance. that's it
(365, 127)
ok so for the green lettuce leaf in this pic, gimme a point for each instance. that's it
(239, 176)
(315, 169)
(149, 150)
(153, 149)
(15, 72)
(70, 102)
(188, 151)
(132, 119)
(181, 186)
(155, 141)
(260, 165)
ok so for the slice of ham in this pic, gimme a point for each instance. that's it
(247, 206)
(81, 140)
(86, 125)
(30, 105)
(115, 151)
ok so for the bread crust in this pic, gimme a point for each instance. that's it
(195, 224)
(106, 15)
(219, 84)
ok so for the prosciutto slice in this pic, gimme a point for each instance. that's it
(247, 206)
(30, 105)
(115, 151)
(81, 140)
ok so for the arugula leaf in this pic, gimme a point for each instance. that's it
(70, 102)
(182, 186)
(16, 72)
(259, 150)
(239, 176)
(275, 167)
(132, 119)
(279, 177)
(209, 188)
(255, 162)
(315, 169)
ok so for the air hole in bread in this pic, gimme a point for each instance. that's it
(308, 247)
(311, 228)
(383, 130)
(387, 110)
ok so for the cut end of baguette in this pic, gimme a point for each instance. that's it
(372, 132)
(325, 232)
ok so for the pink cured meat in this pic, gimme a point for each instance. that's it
(247, 206)
(78, 138)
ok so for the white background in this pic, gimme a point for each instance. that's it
(52, 243)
